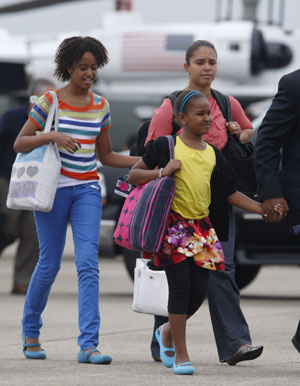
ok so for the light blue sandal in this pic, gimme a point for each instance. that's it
(100, 359)
(32, 354)
(167, 360)
(185, 368)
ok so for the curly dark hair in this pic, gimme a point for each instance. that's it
(71, 50)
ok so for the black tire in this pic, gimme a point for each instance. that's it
(244, 274)
(129, 259)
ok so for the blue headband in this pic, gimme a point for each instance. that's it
(186, 98)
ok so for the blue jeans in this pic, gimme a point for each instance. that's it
(230, 327)
(81, 205)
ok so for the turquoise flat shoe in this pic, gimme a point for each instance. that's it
(185, 368)
(166, 359)
(100, 359)
(32, 354)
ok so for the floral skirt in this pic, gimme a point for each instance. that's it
(185, 238)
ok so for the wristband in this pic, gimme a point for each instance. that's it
(160, 172)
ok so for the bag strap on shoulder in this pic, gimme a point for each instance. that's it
(171, 145)
(172, 96)
(53, 113)
(223, 103)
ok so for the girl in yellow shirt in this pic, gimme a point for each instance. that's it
(205, 182)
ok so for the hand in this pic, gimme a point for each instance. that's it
(172, 166)
(274, 209)
(67, 142)
(234, 128)
(280, 209)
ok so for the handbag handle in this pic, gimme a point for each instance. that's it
(171, 148)
(53, 112)
(171, 145)
(229, 115)
(228, 108)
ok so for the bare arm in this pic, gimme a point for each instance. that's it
(243, 202)
(27, 140)
(141, 174)
(240, 125)
(244, 134)
(109, 157)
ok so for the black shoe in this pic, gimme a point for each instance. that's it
(246, 353)
(296, 344)
(156, 359)
(296, 339)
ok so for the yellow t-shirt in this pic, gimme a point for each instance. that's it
(192, 197)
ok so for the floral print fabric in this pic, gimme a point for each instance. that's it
(190, 238)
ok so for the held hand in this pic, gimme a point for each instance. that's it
(274, 209)
(234, 128)
(281, 210)
(67, 142)
(172, 166)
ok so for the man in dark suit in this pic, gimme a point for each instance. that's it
(277, 154)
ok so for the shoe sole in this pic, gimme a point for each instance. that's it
(248, 356)
(296, 344)
(184, 372)
(35, 355)
(184, 369)
(104, 360)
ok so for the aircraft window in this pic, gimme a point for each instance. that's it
(179, 42)
(234, 47)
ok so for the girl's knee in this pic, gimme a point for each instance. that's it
(49, 270)
(87, 268)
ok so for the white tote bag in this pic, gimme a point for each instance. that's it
(151, 290)
(35, 174)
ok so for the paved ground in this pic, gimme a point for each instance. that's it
(271, 305)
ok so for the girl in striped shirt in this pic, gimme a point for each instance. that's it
(84, 121)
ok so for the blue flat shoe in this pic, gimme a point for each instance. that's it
(100, 359)
(185, 368)
(166, 359)
(32, 354)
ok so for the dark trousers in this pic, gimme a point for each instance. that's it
(230, 327)
(19, 224)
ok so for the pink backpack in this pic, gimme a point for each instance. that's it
(145, 212)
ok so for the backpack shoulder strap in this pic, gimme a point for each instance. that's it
(223, 103)
(171, 145)
(172, 96)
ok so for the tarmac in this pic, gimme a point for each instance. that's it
(271, 305)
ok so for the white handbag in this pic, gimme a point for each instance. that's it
(150, 295)
(35, 174)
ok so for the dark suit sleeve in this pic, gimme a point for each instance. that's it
(272, 135)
